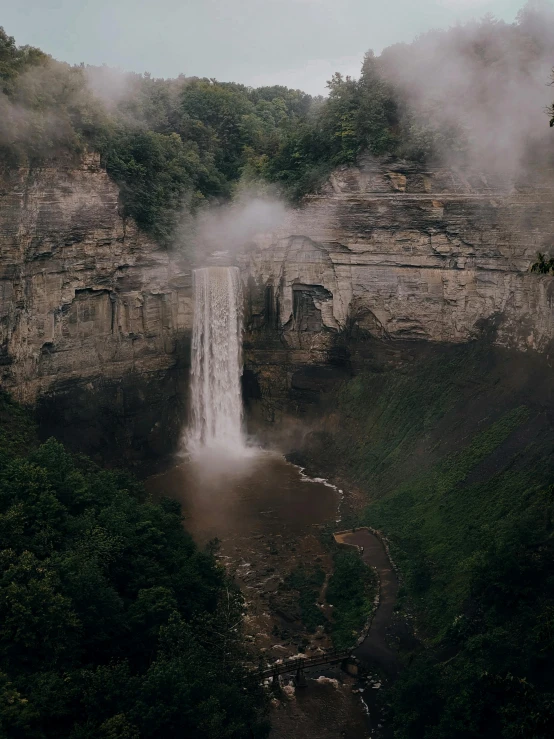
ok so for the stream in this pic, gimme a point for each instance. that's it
(268, 518)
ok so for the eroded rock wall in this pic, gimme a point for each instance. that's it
(392, 253)
(95, 318)
(87, 300)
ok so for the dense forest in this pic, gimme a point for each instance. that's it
(466, 94)
(113, 623)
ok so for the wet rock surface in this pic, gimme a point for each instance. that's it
(90, 308)
(386, 256)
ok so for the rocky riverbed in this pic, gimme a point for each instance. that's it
(269, 518)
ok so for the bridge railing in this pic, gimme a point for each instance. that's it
(302, 663)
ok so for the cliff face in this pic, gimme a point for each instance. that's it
(394, 254)
(95, 318)
(87, 303)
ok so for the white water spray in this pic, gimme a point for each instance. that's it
(216, 413)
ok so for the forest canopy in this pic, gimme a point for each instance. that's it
(114, 624)
(472, 95)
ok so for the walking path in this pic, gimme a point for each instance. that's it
(374, 648)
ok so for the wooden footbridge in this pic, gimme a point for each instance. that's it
(299, 664)
(372, 645)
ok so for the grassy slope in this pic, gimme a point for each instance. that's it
(454, 452)
(447, 449)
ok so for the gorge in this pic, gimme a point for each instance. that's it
(286, 315)
(392, 318)
(387, 256)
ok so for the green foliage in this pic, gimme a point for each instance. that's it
(351, 591)
(490, 674)
(17, 429)
(543, 265)
(113, 623)
(455, 453)
(377, 114)
(173, 144)
(156, 173)
(426, 514)
(358, 116)
(46, 107)
(14, 60)
(308, 584)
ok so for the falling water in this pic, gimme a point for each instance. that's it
(216, 418)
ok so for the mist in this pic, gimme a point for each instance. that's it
(473, 96)
(482, 89)
(221, 230)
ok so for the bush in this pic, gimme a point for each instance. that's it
(351, 591)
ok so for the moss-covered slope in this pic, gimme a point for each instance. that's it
(454, 453)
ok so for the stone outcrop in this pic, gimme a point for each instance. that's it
(413, 255)
(87, 300)
(393, 253)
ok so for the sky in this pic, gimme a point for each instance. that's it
(297, 43)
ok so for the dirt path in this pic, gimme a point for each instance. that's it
(374, 649)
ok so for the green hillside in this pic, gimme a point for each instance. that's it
(454, 453)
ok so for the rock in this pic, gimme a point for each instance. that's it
(86, 301)
(351, 668)
(322, 680)
(95, 317)
(289, 692)
(384, 256)
(383, 260)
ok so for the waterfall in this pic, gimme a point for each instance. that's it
(216, 412)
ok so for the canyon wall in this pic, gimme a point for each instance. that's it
(390, 254)
(94, 316)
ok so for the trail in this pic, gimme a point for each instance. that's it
(374, 649)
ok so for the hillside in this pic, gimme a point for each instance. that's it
(453, 453)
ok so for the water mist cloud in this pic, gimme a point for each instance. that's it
(227, 228)
(488, 81)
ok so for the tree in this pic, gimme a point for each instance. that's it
(113, 623)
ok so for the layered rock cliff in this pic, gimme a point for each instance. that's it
(392, 253)
(94, 316)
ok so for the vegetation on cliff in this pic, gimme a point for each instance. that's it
(543, 266)
(468, 94)
(455, 453)
(113, 624)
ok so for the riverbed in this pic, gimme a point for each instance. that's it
(268, 518)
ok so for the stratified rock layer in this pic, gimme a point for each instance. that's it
(95, 318)
(394, 253)
(85, 301)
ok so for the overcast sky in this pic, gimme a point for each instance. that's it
(298, 43)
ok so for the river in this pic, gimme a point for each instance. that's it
(266, 515)
(268, 518)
